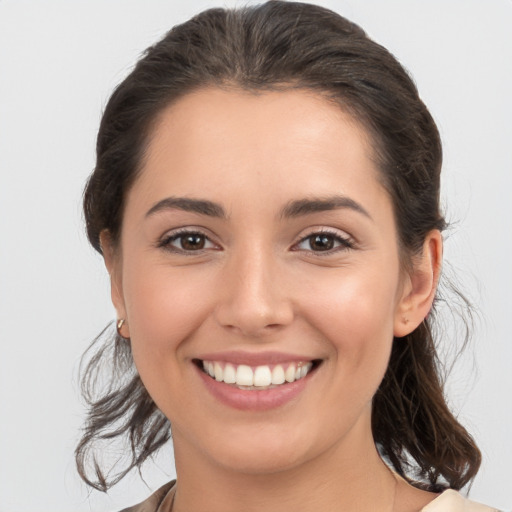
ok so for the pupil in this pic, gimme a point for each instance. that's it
(322, 243)
(192, 242)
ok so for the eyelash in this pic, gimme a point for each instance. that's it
(344, 243)
(166, 242)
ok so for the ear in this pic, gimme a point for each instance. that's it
(419, 286)
(113, 263)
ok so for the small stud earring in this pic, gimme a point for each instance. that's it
(119, 326)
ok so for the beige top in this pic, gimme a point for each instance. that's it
(452, 501)
(448, 501)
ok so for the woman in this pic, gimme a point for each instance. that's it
(266, 198)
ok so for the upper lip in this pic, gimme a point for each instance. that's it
(254, 358)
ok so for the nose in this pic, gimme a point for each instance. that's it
(255, 300)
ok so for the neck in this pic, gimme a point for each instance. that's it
(349, 476)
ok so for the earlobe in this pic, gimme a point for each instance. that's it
(113, 263)
(421, 285)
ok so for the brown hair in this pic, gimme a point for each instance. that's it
(282, 45)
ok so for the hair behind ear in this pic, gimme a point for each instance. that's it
(410, 406)
(121, 413)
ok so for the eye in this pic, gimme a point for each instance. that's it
(323, 241)
(187, 241)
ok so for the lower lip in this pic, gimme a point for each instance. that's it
(254, 400)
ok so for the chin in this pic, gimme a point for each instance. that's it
(261, 450)
(258, 460)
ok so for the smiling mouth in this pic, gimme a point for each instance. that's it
(259, 377)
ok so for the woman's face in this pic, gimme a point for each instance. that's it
(257, 241)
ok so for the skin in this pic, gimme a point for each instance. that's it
(258, 284)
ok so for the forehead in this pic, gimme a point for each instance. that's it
(293, 142)
(301, 114)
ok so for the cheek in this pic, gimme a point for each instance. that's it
(354, 314)
(352, 304)
(164, 307)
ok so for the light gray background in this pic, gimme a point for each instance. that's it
(59, 60)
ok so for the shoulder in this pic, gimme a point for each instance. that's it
(156, 501)
(452, 501)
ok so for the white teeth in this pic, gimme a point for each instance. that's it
(229, 374)
(289, 374)
(244, 376)
(278, 375)
(219, 374)
(262, 376)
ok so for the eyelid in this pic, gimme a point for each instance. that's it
(164, 242)
(346, 241)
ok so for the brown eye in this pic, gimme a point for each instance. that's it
(321, 242)
(187, 242)
(192, 242)
(324, 242)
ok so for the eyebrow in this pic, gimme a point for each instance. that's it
(293, 209)
(315, 205)
(201, 206)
